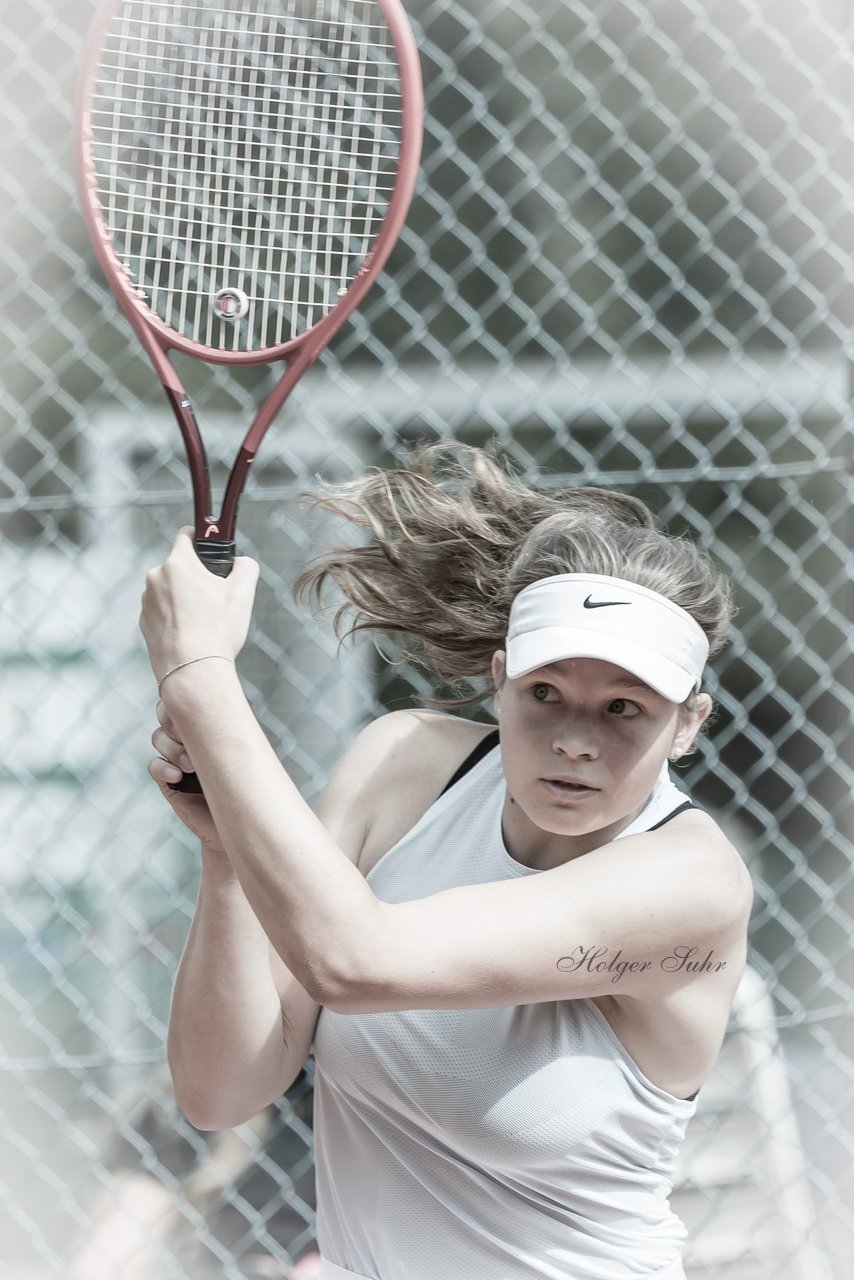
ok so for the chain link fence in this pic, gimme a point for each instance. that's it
(628, 263)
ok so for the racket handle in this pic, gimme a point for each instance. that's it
(189, 783)
(216, 556)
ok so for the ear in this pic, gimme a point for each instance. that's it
(498, 675)
(688, 726)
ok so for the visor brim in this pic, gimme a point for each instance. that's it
(553, 644)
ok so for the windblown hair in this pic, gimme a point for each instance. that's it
(453, 536)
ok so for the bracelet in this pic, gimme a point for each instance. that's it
(189, 663)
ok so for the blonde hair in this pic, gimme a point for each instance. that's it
(453, 536)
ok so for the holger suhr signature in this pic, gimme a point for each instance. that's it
(682, 957)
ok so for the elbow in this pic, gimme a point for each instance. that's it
(209, 1119)
(360, 993)
(334, 993)
(343, 978)
(391, 973)
(207, 1110)
(358, 961)
(200, 1111)
(203, 1124)
(197, 1114)
(341, 991)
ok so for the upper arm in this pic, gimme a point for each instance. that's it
(614, 921)
(345, 809)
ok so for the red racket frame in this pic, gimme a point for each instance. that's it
(215, 534)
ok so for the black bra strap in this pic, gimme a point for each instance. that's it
(483, 748)
(679, 809)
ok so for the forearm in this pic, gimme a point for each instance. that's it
(313, 903)
(226, 1050)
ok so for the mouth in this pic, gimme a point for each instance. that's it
(567, 787)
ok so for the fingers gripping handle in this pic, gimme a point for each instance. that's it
(189, 783)
(218, 557)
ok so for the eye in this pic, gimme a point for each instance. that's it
(533, 690)
(624, 704)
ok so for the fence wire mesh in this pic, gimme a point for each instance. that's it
(628, 263)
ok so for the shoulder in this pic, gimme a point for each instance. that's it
(399, 738)
(400, 764)
(701, 828)
(717, 900)
(695, 836)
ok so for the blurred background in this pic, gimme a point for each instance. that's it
(628, 263)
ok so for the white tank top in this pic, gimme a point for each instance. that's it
(490, 1144)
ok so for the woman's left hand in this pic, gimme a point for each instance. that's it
(189, 612)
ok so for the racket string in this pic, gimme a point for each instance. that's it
(255, 156)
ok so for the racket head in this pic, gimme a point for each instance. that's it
(244, 175)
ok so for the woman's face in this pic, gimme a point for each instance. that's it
(592, 721)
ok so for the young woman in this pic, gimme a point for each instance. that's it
(523, 937)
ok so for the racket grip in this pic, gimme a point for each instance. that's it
(189, 783)
(216, 556)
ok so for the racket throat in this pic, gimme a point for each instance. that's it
(197, 460)
(233, 490)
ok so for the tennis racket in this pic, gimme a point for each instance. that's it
(244, 170)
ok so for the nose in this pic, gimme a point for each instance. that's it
(576, 740)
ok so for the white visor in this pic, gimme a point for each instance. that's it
(589, 615)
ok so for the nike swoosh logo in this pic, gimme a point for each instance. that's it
(602, 604)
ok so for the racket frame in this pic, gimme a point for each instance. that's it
(215, 534)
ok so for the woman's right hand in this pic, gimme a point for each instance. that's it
(170, 766)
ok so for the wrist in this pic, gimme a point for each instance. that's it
(190, 662)
(216, 864)
(197, 684)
